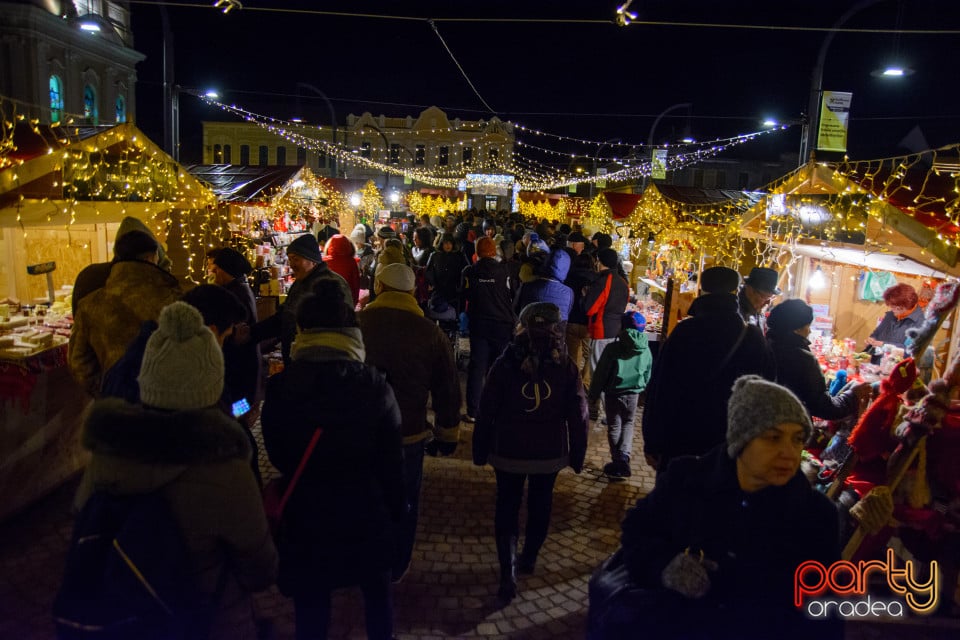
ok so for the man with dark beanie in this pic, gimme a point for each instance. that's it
(604, 301)
(308, 267)
(489, 306)
(714, 347)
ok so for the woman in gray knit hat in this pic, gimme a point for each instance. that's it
(711, 552)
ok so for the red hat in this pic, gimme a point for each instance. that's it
(486, 247)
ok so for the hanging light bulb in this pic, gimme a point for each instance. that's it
(818, 281)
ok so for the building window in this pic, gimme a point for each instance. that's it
(394, 154)
(721, 179)
(227, 156)
(493, 154)
(56, 98)
(281, 156)
(321, 159)
(365, 149)
(244, 154)
(467, 155)
(301, 156)
(121, 109)
(743, 180)
(90, 111)
(217, 154)
(420, 156)
(263, 156)
(444, 157)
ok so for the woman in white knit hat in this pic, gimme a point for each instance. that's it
(178, 443)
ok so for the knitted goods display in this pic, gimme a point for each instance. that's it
(873, 437)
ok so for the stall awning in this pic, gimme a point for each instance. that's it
(622, 204)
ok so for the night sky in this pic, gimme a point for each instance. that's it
(594, 81)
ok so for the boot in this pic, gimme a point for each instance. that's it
(527, 561)
(507, 554)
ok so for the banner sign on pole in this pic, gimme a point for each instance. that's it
(834, 118)
(601, 182)
(658, 164)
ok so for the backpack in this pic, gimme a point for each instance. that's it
(127, 573)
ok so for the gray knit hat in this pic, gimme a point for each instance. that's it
(756, 405)
(182, 364)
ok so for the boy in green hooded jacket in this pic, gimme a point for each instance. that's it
(622, 373)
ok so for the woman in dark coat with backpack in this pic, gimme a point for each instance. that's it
(531, 424)
(337, 524)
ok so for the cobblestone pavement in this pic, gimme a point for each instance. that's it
(450, 590)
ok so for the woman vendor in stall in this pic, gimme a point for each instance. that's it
(788, 326)
(904, 313)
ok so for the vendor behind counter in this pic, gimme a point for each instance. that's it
(904, 313)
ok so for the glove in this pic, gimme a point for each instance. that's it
(874, 510)
(439, 448)
(687, 574)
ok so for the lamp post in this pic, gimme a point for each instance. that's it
(333, 120)
(171, 92)
(808, 141)
(653, 129)
(593, 184)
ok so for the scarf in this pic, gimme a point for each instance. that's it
(399, 300)
(329, 344)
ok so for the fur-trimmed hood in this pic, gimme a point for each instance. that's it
(137, 450)
(117, 428)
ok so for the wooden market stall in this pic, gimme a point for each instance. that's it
(833, 229)
(63, 193)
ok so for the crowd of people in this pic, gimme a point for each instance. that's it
(554, 338)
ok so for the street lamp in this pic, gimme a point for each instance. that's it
(808, 141)
(333, 120)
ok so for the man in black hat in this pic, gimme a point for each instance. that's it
(709, 350)
(306, 263)
(758, 289)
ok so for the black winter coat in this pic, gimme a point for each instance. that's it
(611, 317)
(486, 291)
(242, 361)
(758, 539)
(337, 523)
(443, 274)
(799, 371)
(578, 279)
(527, 426)
(686, 407)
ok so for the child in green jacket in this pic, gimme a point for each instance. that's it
(621, 375)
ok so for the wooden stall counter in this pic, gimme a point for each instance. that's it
(41, 409)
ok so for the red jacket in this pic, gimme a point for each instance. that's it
(340, 256)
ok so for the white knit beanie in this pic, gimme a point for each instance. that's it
(182, 365)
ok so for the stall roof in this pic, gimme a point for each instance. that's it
(241, 183)
(698, 197)
(53, 176)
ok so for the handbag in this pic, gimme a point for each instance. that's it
(277, 492)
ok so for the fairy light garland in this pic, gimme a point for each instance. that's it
(530, 180)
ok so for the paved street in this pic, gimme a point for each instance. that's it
(450, 589)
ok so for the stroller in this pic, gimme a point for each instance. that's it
(441, 312)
